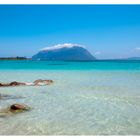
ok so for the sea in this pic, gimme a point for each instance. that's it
(87, 97)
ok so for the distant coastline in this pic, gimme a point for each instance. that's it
(14, 58)
(119, 59)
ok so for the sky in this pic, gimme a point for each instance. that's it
(107, 31)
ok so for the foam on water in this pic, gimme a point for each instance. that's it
(78, 103)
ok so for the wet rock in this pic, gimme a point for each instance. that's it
(43, 82)
(14, 83)
(19, 108)
(3, 84)
(38, 82)
(13, 109)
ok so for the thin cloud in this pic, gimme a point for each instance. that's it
(59, 46)
(137, 48)
(97, 53)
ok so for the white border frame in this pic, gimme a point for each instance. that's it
(69, 1)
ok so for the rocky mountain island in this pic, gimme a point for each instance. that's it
(65, 51)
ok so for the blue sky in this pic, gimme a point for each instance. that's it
(107, 31)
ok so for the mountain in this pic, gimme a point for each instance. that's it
(64, 52)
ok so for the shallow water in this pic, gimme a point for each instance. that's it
(79, 102)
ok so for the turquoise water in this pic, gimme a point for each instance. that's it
(86, 98)
(70, 65)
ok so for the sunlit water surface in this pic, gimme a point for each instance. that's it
(79, 102)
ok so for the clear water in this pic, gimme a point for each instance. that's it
(87, 98)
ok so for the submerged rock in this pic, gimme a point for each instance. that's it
(6, 97)
(13, 109)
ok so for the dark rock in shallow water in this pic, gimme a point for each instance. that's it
(38, 82)
(13, 109)
(14, 83)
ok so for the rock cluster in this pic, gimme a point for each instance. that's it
(17, 108)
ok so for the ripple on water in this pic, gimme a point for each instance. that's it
(86, 103)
